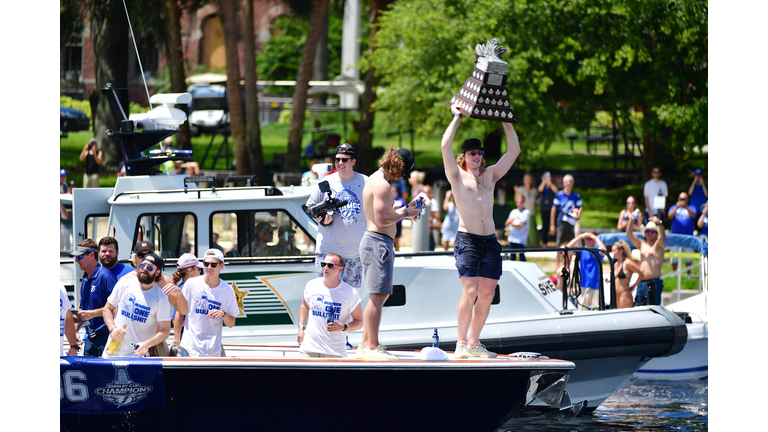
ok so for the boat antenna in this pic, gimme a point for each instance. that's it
(137, 54)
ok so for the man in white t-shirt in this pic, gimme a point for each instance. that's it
(138, 311)
(653, 188)
(319, 334)
(520, 221)
(66, 324)
(341, 232)
(212, 304)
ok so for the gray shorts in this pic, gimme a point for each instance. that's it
(352, 273)
(377, 253)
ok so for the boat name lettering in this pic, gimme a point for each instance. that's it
(547, 287)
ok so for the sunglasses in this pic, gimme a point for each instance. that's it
(141, 255)
(476, 152)
(682, 199)
(329, 265)
(650, 231)
(148, 267)
(213, 265)
(343, 160)
(79, 257)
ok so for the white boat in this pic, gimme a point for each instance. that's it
(693, 361)
(527, 314)
(270, 388)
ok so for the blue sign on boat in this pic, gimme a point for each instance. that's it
(95, 385)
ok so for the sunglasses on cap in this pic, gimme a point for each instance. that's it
(148, 267)
(343, 160)
(213, 265)
(476, 152)
(329, 265)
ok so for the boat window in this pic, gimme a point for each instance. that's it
(96, 227)
(270, 233)
(397, 298)
(172, 234)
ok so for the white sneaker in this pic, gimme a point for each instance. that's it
(478, 350)
(461, 350)
(379, 354)
(360, 352)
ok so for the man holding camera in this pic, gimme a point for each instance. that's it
(92, 157)
(341, 230)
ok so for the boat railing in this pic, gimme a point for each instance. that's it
(701, 266)
(507, 254)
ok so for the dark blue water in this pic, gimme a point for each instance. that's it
(644, 406)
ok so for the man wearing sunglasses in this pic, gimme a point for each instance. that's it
(212, 304)
(341, 232)
(326, 335)
(138, 312)
(683, 217)
(142, 249)
(97, 285)
(651, 258)
(477, 251)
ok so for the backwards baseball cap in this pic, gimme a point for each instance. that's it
(82, 250)
(154, 259)
(214, 253)
(188, 260)
(408, 160)
(143, 245)
(471, 144)
(346, 149)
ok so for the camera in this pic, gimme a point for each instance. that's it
(546, 175)
(327, 206)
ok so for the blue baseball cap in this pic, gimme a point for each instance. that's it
(62, 172)
(697, 171)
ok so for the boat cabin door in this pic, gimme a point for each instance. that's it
(90, 217)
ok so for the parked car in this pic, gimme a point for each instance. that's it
(73, 120)
(208, 110)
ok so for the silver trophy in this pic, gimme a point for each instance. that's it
(484, 95)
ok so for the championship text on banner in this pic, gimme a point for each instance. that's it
(95, 385)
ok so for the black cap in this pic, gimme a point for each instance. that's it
(143, 245)
(154, 259)
(408, 161)
(471, 144)
(346, 149)
(284, 229)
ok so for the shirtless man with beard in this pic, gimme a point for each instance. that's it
(477, 251)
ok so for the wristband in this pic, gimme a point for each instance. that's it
(303, 327)
(457, 115)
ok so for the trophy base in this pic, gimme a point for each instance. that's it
(499, 114)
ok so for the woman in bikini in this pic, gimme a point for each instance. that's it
(624, 268)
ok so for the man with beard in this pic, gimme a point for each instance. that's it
(108, 252)
(212, 305)
(341, 232)
(477, 251)
(96, 287)
(138, 311)
(377, 248)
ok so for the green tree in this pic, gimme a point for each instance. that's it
(252, 126)
(567, 60)
(236, 112)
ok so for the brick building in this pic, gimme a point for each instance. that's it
(202, 41)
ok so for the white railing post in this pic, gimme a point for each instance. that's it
(680, 266)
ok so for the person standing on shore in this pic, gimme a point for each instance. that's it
(477, 251)
(651, 257)
(92, 157)
(520, 222)
(566, 211)
(547, 191)
(377, 248)
(653, 188)
(530, 193)
(323, 296)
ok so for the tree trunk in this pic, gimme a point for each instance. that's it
(236, 118)
(175, 56)
(365, 162)
(109, 32)
(296, 129)
(252, 126)
(320, 66)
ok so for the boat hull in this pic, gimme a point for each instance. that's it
(691, 363)
(336, 394)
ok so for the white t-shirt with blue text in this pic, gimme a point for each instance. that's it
(343, 235)
(141, 310)
(343, 299)
(202, 335)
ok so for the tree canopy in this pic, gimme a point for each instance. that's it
(567, 59)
